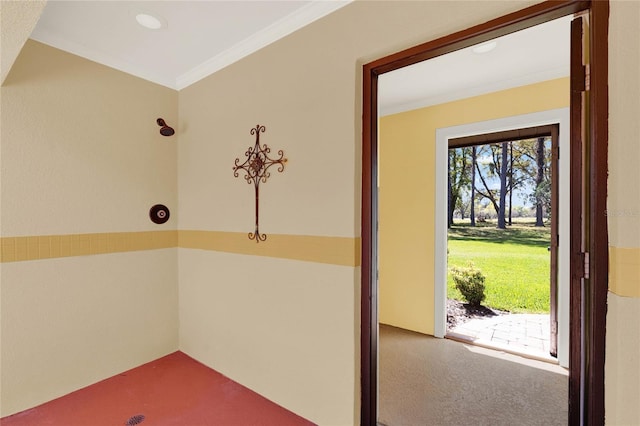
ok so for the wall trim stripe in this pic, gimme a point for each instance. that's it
(624, 262)
(624, 275)
(17, 249)
(330, 250)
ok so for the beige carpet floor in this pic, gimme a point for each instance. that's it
(429, 381)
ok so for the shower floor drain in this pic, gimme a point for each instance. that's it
(135, 420)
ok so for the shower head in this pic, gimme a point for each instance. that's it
(165, 130)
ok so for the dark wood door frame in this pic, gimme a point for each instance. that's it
(586, 381)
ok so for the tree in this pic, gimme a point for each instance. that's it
(510, 181)
(539, 181)
(488, 193)
(493, 165)
(458, 164)
(521, 165)
(472, 207)
(462, 205)
(503, 185)
(497, 171)
(533, 164)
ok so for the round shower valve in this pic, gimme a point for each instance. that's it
(159, 214)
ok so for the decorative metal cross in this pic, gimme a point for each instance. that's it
(256, 168)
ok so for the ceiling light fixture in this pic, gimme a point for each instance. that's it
(485, 47)
(149, 21)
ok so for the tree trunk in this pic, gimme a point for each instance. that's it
(503, 186)
(539, 180)
(488, 195)
(472, 211)
(510, 181)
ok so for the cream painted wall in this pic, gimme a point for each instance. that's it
(280, 327)
(81, 150)
(306, 90)
(624, 127)
(17, 20)
(67, 323)
(81, 153)
(407, 193)
(622, 370)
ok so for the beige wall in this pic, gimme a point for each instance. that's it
(407, 192)
(81, 154)
(73, 130)
(306, 89)
(284, 328)
(67, 323)
(17, 20)
(622, 372)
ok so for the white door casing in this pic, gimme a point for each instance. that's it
(556, 116)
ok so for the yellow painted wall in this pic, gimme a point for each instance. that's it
(83, 296)
(407, 192)
(301, 347)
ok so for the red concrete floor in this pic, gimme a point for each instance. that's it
(173, 390)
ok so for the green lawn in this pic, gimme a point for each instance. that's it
(515, 263)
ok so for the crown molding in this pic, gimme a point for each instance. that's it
(46, 37)
(285, 26)
(281, 28)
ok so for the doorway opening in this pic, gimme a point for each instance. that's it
(503, 242)
(588, 227)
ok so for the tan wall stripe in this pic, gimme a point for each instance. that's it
(624, 275)
(332, 250)
(624, 262)
(17, 249)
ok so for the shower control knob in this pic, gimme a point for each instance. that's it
(159, 214)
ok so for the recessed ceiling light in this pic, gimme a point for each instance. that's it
(485, 47)
(149, 21)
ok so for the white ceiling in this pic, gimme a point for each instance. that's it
(529, 56)
(202, 37)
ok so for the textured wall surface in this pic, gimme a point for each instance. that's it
(17, 20)
(622, 372)
(81, 154)
(306, 90)
(83, 296)
(67, 323)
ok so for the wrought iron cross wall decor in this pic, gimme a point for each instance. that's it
(256, 168)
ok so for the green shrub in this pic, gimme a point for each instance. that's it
(470, 282)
